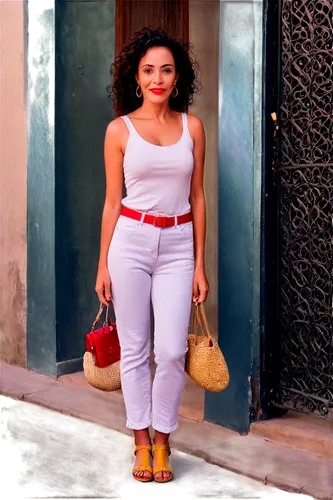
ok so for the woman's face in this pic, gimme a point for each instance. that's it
(157, 74)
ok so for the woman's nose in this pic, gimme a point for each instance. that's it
(158, 78)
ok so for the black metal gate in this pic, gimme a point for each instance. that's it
(304, 178)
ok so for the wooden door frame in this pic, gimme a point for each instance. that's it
(120, 16)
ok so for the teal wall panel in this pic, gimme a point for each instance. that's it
(85, 41)
(41, 296)
(239, 202)
(70, 49)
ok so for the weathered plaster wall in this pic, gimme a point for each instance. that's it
(205, 38)
(13, 174)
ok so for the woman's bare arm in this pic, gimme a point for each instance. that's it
(198, 206)
(113, 158)
(197, 197)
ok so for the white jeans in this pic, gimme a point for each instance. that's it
(146, 262)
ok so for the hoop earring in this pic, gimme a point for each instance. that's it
(136, 92)
(172, 94)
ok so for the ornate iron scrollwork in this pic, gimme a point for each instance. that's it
(305, 182)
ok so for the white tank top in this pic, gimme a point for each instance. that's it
(158, 178)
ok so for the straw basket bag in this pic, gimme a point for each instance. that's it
(204, 361)
(102, 349)
(105, 379)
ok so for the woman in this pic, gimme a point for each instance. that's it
(152, 241)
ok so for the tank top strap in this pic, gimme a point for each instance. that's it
(129, 124)
(185, 126)
(185, 123)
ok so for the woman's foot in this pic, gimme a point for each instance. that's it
(161, 438)
(142, 470)
(142, 467)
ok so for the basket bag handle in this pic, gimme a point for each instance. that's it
(197, 320)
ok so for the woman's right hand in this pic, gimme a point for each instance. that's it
(103, 285)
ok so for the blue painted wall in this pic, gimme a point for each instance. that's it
(41, 296)
(71, 47)
(85, 40)
(238, 210)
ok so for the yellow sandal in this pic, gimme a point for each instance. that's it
(163, 451)
(144, 466)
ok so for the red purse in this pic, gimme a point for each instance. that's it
(103, 343)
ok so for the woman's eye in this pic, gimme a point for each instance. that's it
(167, 70)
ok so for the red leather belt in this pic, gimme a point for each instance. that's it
(156, 220)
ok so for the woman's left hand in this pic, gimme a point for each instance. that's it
(200, 285)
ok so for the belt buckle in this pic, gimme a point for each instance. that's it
(161, 215)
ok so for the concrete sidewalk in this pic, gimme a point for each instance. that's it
(252, 456)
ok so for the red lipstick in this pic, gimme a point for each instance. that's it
(157, 91)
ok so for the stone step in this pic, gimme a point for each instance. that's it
(192, 403)
(300, 431)
(303, 432)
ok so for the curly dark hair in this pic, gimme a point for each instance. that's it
(125, 67)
